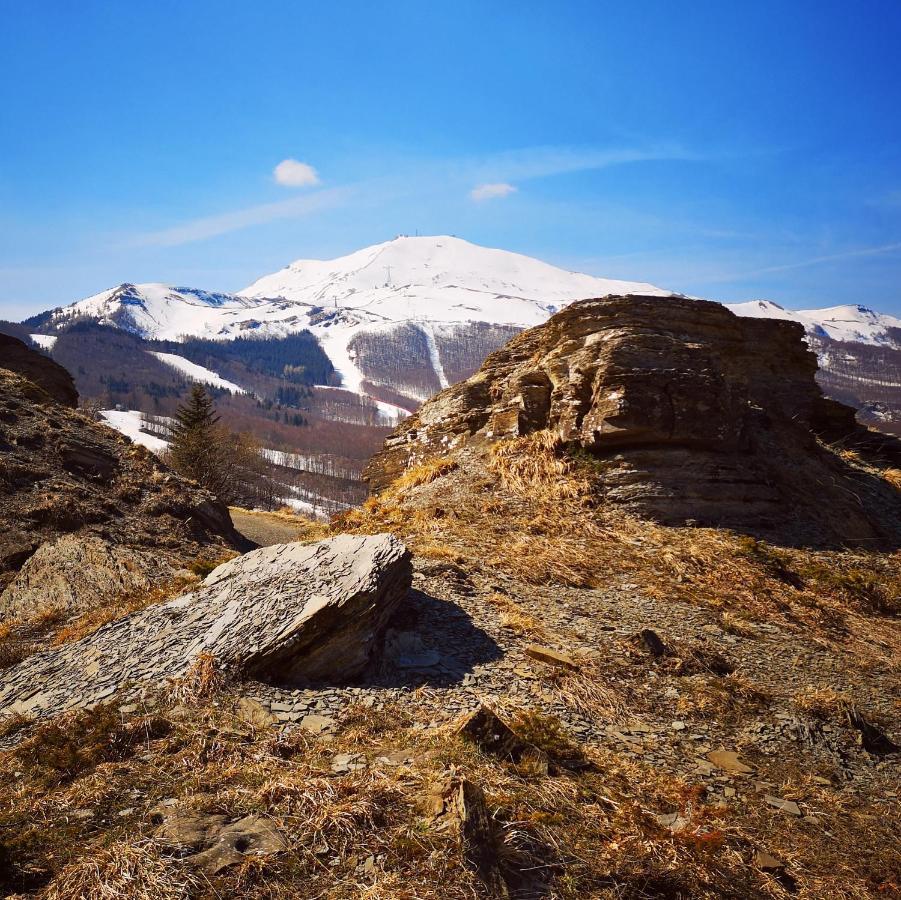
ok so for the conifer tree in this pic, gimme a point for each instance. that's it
(195, 448)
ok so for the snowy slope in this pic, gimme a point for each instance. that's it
(840, 323)
(436, 282)
(129, 423)
(439, 279)
(155, 310)
(194, 372)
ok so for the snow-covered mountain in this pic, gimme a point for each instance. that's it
(399, 320)
(838, 323)
(404, 318)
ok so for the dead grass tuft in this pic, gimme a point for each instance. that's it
(78, 741)
(824, 703)
(130, 871)
(514, 617)
(535, 466)
(424, 473)
(201, 681)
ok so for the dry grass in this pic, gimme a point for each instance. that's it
(534, 466)
(527, 509)
(514, 617)
(201, 681)
(824, 703)
(126, 870)
(423, 473)
(587, 830)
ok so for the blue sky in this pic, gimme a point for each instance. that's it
(725, 149)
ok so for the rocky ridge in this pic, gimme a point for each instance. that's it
(687, 412)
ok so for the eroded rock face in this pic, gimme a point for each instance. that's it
(690, 413)
(65, 478)
(290, 613)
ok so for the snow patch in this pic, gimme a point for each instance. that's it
(44, 341)
(129, 422)
(196, 373)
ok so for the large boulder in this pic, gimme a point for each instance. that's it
(689, 413)
(289, 613)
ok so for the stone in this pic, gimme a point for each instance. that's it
(67, 481)
(694, 416)
(458, 805)
(254, 713)
(48, 375)
(674, 821)
(872, 739)
(491, 735)
(342, 763)
(317, 724)
(767, 862)
(653, 643)
(286, 613)
(788, 806)
(214, 842)
(397, 758)
(73, 572)
(728, 761)
(550, 656)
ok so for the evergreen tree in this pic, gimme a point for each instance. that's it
(195, 448)
(229, 465)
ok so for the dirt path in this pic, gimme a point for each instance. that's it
(272, 528)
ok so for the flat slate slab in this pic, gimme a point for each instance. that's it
(290, 613)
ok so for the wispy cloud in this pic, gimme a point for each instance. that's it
(293, 173)
(542, 162)
(812, 261)
(492, 191)
(212, 226)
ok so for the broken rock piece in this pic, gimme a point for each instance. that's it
(485, 729)
(728, 761)
(213, 843)
(551, 657)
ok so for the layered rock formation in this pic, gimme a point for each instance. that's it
(84, 513)
(689, 413)
(290, 613)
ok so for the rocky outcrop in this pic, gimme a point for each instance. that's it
(690, 414)
(290, 613)
(65, 478)
(15, 356)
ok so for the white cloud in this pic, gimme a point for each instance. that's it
(293, 173)
(490, 191)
